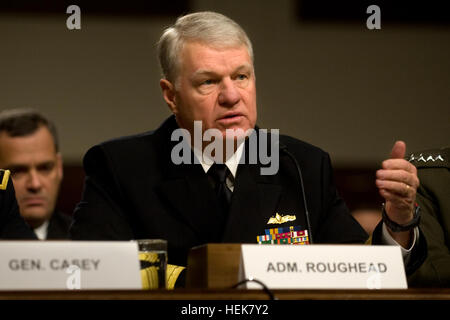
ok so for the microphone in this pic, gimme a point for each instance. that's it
(299, 172)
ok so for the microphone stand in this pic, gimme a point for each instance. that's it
(285, 150)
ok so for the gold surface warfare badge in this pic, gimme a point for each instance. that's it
(279, 219)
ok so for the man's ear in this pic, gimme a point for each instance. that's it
(168, 90)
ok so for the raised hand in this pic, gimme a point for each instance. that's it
(397, 182)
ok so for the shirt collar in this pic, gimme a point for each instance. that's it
(232, 162)
(41, 231)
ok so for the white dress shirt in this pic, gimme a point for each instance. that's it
(41, 231)
(231, 163)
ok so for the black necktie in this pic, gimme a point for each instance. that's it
(219, 174)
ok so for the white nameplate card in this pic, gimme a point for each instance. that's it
(323, 266)
(61, 265)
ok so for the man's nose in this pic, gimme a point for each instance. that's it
(33, 180)
(229, 94)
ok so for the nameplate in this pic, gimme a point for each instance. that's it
(323, 266)
(61, 265)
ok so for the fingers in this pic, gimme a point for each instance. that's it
(397, 182)
(398, 164)
(400, 176)
(398, 150)
(395, 188)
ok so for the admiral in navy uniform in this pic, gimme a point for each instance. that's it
(433, 196)
(134, 190)
(12, 225)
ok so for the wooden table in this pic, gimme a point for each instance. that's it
(231, 294)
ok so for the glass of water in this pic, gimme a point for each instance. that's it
(153, 260)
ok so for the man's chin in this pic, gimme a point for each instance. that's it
(35, 216)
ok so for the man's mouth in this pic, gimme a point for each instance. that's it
(231, 117)
(34, 201)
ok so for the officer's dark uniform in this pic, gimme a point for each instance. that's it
(12, 225)
(433, 196)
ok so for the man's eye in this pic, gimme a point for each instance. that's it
(207, 82)
(18, 172)
(46, 168)
(242, 77)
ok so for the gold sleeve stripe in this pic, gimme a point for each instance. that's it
(172, 274)
(4, 180)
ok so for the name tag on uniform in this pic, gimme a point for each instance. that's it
(60, 265)
(323, 266)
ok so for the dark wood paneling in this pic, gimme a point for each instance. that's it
(71, 188)
(357, 187)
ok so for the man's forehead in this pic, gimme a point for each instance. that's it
(37, 147)
(216, 46)
(27, 158)
(204, 57)
(41, 136)
(245, 67)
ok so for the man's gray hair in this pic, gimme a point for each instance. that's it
(210, 28)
